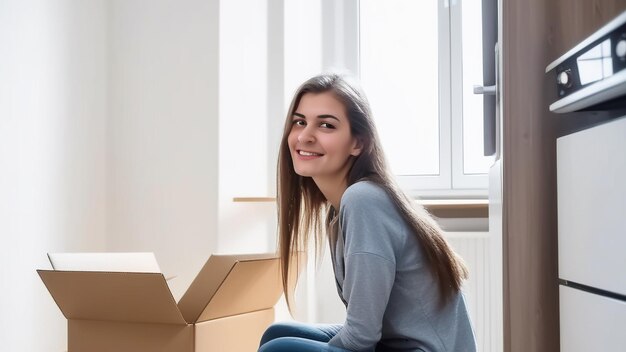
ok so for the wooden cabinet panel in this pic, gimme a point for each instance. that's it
(577, 19)
(534, 33)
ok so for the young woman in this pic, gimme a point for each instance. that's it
(396, 274)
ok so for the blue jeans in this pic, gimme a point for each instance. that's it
(298, 337)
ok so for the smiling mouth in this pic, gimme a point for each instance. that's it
(305, 153)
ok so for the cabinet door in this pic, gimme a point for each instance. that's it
(591, 185)
(591, 322)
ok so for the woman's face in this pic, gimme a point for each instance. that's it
(320, 141)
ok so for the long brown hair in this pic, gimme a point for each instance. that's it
(302, 206)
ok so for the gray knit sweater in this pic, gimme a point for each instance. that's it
(383, 279)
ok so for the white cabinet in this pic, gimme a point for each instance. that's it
(591, 185)
(591, 322)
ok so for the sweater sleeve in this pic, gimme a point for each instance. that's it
(367, 218)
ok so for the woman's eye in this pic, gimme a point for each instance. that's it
(326, 125)
(299, 122)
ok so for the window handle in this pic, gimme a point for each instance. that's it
(488, 90)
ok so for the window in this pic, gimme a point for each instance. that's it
(400, 61)
(418, 63)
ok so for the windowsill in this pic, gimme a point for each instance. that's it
(452, 194)
(457, 208)
(441, 208)
(254, 199)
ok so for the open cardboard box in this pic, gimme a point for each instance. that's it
(227, 307)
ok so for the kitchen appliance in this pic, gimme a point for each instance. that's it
(594, 71)
(590, 80)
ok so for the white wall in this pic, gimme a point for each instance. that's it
(108, 141)
(163, 132)
(52, 156)
(243, 121)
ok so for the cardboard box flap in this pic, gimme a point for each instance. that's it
(232, 284)
(109, 296)
(250, 286)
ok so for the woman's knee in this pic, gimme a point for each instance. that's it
(299, 344)
(279, 344)
(277, 330)
(321, 333)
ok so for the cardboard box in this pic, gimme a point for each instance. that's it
(227, 307)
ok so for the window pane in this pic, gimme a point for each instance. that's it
(474, 162)
(399, 72)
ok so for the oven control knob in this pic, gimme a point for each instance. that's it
(620, 49)
(564, 79)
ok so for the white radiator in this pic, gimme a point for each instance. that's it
(474, 247)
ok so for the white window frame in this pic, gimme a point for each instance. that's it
(460, 180)
(340, 29)
(442, 183)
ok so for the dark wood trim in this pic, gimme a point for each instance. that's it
(458, 209)
(529, 182)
